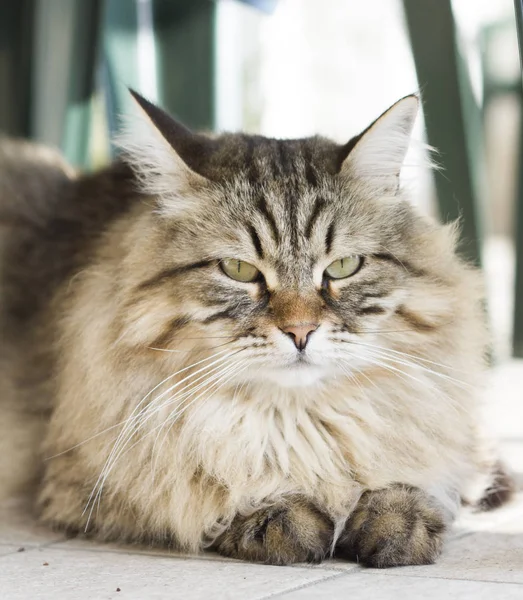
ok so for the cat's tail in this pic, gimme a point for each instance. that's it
(32, 177)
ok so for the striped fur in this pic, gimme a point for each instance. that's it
(181, 413)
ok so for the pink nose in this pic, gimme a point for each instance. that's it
(300, 334)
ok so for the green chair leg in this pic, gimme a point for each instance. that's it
(452, 119)
(183, 65)
(82, 75)
(185, 38)
(120, 60)
(16, 52)
(48, 53)
(51, 65)
(518, 300)
(517, 340)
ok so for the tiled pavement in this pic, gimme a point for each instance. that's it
(483, 558)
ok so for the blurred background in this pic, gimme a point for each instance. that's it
(292, 68)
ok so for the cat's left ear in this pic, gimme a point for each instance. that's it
(377, 154)
(165, 156)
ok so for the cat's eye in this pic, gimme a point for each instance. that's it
(343, 267)
(239, 270)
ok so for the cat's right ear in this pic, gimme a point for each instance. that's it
(161, 150)
(376, 155)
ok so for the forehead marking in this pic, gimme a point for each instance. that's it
(256, 241)
(264, 210)
(317, 209)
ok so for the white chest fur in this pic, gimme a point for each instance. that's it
(329, 444)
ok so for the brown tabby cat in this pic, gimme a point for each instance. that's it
(252, 344)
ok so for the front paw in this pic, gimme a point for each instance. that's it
(391, 527)
(291, 531)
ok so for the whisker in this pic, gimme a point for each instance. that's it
(123, 450)
(140, 419)
(403, 330)
(221, 381)
(351, 377)
(413, 356)
(208, 378)
(149, 409)
(403, 375)
(363, 374)
(131, 416)
(205, 337)
(130, 423)
(385, 353)
(396, 258)
(400, 372)
(187, 351)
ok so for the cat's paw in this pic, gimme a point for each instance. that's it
(292, 531)
(395, 526)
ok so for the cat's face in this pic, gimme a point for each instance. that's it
(294, 255)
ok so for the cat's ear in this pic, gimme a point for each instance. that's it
(377, 154)
(161, 150)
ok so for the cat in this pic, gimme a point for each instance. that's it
(252, 345)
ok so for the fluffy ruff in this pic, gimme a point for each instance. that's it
(177, 411)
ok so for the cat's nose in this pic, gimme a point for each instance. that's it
(300, 334)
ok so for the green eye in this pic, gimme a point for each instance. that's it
(239, 270)
(344, 267)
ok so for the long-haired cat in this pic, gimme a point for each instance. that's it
(250, 344)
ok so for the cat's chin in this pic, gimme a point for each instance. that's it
(296, 376)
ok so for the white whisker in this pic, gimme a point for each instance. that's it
(385, 355)
(140, 419)
(402, 374)
(130, 426)
(123, 450)
(208, 379)
(187, 351)
(131, 417)
(419, 358)
(218, 384)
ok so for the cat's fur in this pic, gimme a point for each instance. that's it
(172, 405)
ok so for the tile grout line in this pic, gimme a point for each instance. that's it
(325, 566)
(307, 585)
(181, 557)
(26, 549)
(436, 577)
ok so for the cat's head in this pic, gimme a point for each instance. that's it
(299, 258)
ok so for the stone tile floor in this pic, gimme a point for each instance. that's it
(483, 557)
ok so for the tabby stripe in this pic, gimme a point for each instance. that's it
(168, 273)
(293, 219)
(170, 330)
(415, 321)
(371, 310)
(278, 164)
(329, 301)
(401, 263)
(256, 242)
(376, 294)
(252, 169)
(284, 164)
(310, 172)
(265, 212)
(329, 238)
(319, 205)
(287, 169)
(228, 313)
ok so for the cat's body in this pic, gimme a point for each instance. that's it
(177, 403)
